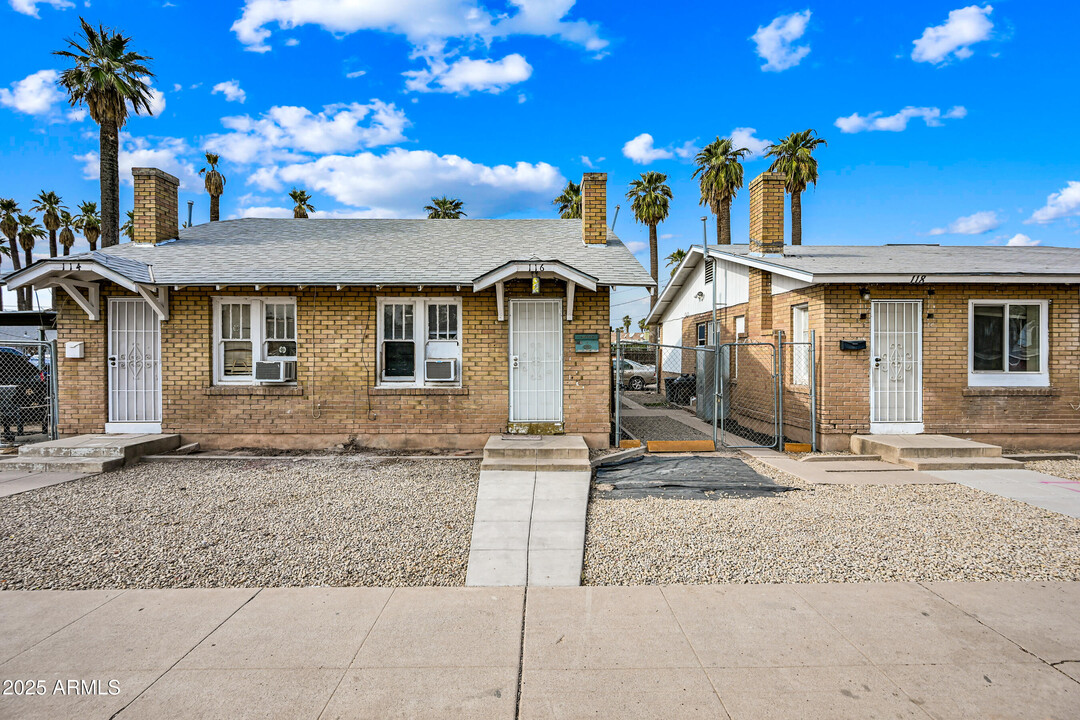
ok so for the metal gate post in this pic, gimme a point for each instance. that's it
(779, 384)
(617, 375)
(813, 392)
(54, 391)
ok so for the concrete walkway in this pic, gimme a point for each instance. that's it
(13, 482)
(933, 650)
(1034, 488)
(844, 470)
(529, 528)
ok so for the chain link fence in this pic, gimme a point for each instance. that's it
(28, 397)
(798, 401)
(749, 396)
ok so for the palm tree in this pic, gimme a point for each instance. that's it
(214, 184)
(793, 156)
(675, 258)
(107, 77)
(128, 228)
(626, 323)
(89, 223)
(302, 203)
(29, 233)
(9, 225)
(643, 327)
(445, 208)
(67, 236)
(721, 172)
(651, 203)
(569, 201)
(49, 204)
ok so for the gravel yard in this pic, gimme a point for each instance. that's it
(658, 427)
(254, 523)
(829, 533)
(1068, 469)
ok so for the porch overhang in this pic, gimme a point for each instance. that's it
(527, 269)
(81, 278)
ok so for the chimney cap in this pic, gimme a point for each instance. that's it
(154, 172)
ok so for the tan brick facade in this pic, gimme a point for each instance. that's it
(155, 205)
(594, 208)
(767, 213)
(335, 397)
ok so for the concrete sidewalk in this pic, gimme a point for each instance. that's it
(1034, 488)
(933, 650)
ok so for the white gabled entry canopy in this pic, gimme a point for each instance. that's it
(526, 269)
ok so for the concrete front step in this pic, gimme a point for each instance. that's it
(894, 448)
(536, 465)
(961, 463)
(62, 464)
(126, 447)
(536, 446)
(840, 458)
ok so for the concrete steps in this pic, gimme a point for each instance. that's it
(531, 453)
(89, 453)
(933, 452)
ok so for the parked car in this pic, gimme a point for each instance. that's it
(636, 376)
(24, 393)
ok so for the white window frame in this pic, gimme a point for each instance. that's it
(439, 349)
(1011, 378)
(258, 335)
(800, 333)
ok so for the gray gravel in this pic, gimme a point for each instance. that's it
(1067, 469)
(255, 523)
(829, 533)
(658, 427)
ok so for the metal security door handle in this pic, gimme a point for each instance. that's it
(514, 361)
(112, 361)
(877, 362)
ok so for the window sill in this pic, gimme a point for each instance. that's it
(385, 390)
(255, 390)
(1010, 392)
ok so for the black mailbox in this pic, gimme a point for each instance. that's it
(852, 344)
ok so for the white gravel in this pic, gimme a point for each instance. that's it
(829, 533)
(1067, 469)
(256, 523)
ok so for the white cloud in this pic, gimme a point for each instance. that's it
(276, 211)
(1022, 240)
(283, 131)
(231, 90)
(467, 75)
(642, 151)
(775, 41)
(157, 99)
(963, 28)
(744, 137)
(77, 114)
(897, 122)
(355, 74)
(1064, 203)
(292, 42)
(166, 153)
(687, 150)
(29, 7)
(400, 182)
(425, 23)
(35, 94)
(522, 97)
(177, 87)
(977, 224)
(636, 246)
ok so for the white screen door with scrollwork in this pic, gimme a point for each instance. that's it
(896, 366)
(134, 367)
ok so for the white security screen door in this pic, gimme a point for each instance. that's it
(536, 355)
(896, 366)
(134, 367)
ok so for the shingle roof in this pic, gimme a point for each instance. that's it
(825, 260)
(361, 251)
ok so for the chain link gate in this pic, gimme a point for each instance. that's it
(749, 402)
(663, 392)
(28, 392)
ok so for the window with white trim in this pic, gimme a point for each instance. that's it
(1007, 343)
(248, 330)
(800, 350)
(419, 341)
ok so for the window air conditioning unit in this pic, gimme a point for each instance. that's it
(441, 370)
(270, 371)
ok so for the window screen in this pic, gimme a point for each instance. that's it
(442, 322)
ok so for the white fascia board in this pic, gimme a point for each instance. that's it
(762, 263)
(50, 270)
(523, 268)
(675, 284)
(941, 279)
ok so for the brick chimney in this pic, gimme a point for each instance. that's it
(767, 214)
(594, 208)
(155, 205)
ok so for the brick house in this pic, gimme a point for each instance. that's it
(310, 332)
(973, 341)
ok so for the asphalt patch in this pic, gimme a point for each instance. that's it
(683, 478)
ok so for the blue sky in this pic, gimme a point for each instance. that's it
(945, 121)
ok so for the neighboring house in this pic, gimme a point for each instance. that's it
(304, 333)
(977, 341)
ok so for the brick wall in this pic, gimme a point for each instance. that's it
(767, 213)
(335, 398)
(594, 208)
(155, 205)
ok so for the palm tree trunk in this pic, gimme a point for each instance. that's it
(215, 208)
(796, 218)
(67, 250)
(723, 221)
(28, 292)
(654, 264)
(52, 243)
(20, 295)
(109, 170)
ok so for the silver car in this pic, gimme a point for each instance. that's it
(636, 376)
